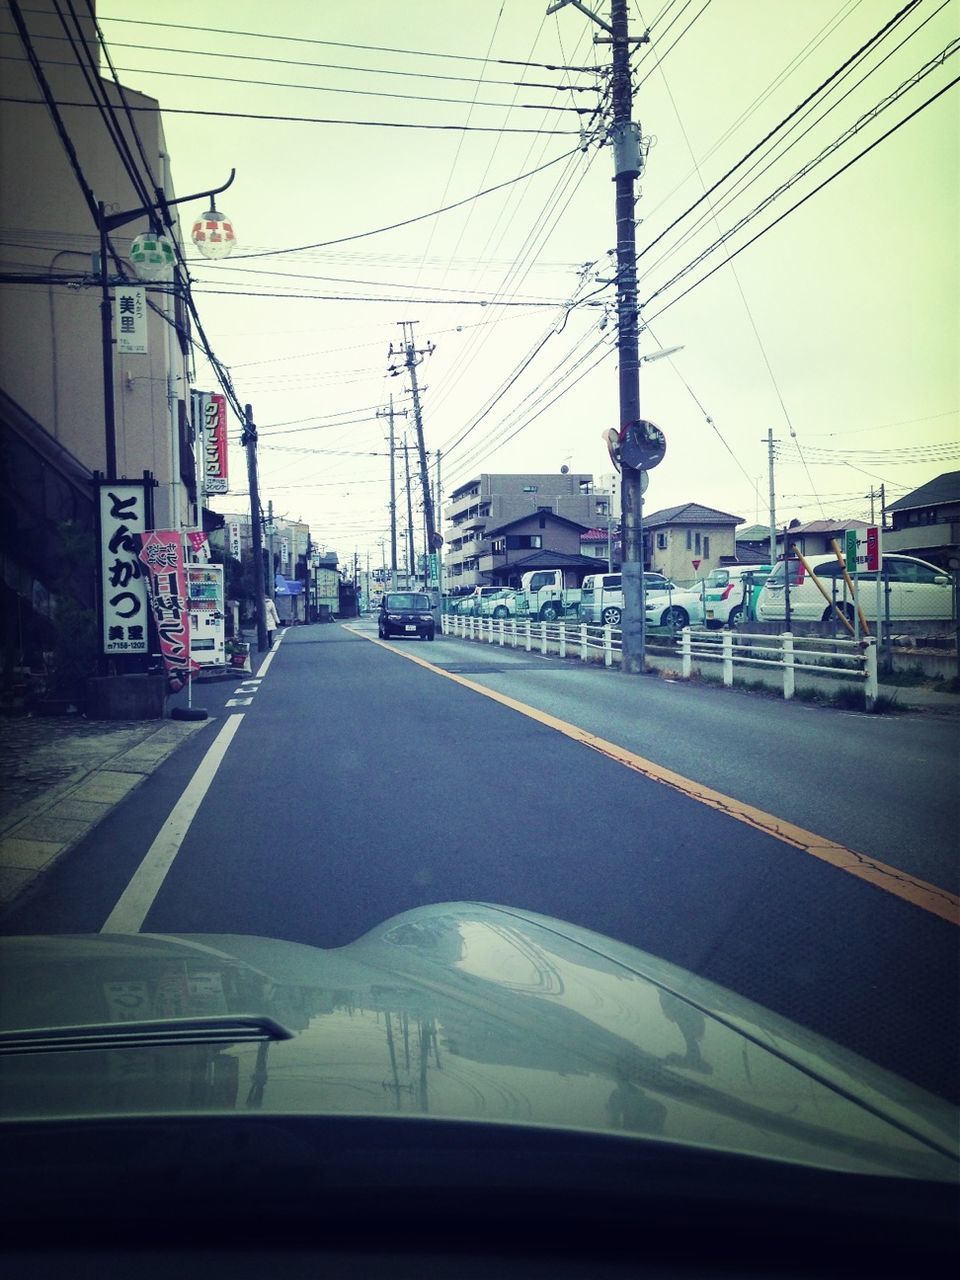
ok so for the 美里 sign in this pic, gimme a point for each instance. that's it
(130, 303)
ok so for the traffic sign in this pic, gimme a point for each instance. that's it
(695, 563)
(864, 553)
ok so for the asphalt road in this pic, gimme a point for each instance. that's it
(359, 784)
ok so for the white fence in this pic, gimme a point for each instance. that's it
(816, 655)
(787, 653)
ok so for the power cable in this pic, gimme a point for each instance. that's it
(803, 200)
(209, 78)
(774, 155)
(342, 44)
(324, 66)
(778, 127)
(288, 119)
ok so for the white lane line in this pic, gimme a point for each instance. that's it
(138, 897)
(265, 665)
(238, 702)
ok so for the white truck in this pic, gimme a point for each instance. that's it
(542, 595)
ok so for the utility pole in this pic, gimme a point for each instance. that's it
(391, 413)
(625, 140)
(773, 502)
(411, 552)
(412, 357)
(272, 586)
(439, 538)
(250, 444)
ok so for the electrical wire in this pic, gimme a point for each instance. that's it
(815, 93)
(803, 200)
(324, 66)
(342, 44)
(209, 78)
(288, 119)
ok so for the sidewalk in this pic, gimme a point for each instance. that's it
(61, 776)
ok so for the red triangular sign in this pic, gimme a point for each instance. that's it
(695, 563)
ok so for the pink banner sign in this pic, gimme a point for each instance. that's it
(215, 444)
(162, 553)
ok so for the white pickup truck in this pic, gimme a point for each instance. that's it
(542, 595)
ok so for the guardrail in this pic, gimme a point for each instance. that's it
(566, 639)
(816, 655)
(819, 656)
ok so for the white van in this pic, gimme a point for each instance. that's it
(918, 591)
(601, 596)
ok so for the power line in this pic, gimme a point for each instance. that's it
(826, 182)
(325, 66)
(778, 127)
(342, 44)
(208, 78)
(288, 119)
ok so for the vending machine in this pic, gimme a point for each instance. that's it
(207, 615)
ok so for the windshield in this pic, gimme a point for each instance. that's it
(337, 446)
(406, 600)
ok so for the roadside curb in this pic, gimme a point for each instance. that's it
(99, 764)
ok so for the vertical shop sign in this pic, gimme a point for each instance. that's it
(131, 319)
(162, 554)
(123, 590)
(233, 530)
(214, 420)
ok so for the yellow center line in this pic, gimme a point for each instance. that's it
(928, 897)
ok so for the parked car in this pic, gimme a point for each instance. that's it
(406, 613)
(473, 604)
(918, 591)
(725, 600)
(601, 596)
(679, 608)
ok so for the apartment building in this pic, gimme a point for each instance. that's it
(489, 502)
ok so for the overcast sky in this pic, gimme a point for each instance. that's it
(837, 328)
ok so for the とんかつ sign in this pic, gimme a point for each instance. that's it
(123, 588)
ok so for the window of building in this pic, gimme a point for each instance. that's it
(697, 542)
(689, 539)
(706, 545)
(499, 546)
(603, 507)
(662, 541)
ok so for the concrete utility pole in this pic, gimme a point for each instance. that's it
(625, 142)
(773, 501)
(250, 444)
(412, 357)
(411, 552)
(272, 585)
(391, 414)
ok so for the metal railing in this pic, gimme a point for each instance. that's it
(565, 639)
(816, 655)
(785, 652)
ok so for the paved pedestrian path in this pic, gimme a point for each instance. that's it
(59, 776)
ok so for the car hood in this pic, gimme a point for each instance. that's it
(462, 1011)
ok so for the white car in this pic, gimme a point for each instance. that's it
(678, 608)
(918, 591)
(723, 595)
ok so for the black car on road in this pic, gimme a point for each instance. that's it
(406, 613)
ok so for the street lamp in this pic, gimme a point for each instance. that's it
(212, 233)
(153, 257)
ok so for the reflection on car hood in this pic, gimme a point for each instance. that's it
(464, 1011)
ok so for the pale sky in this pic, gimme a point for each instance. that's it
(839, 325)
